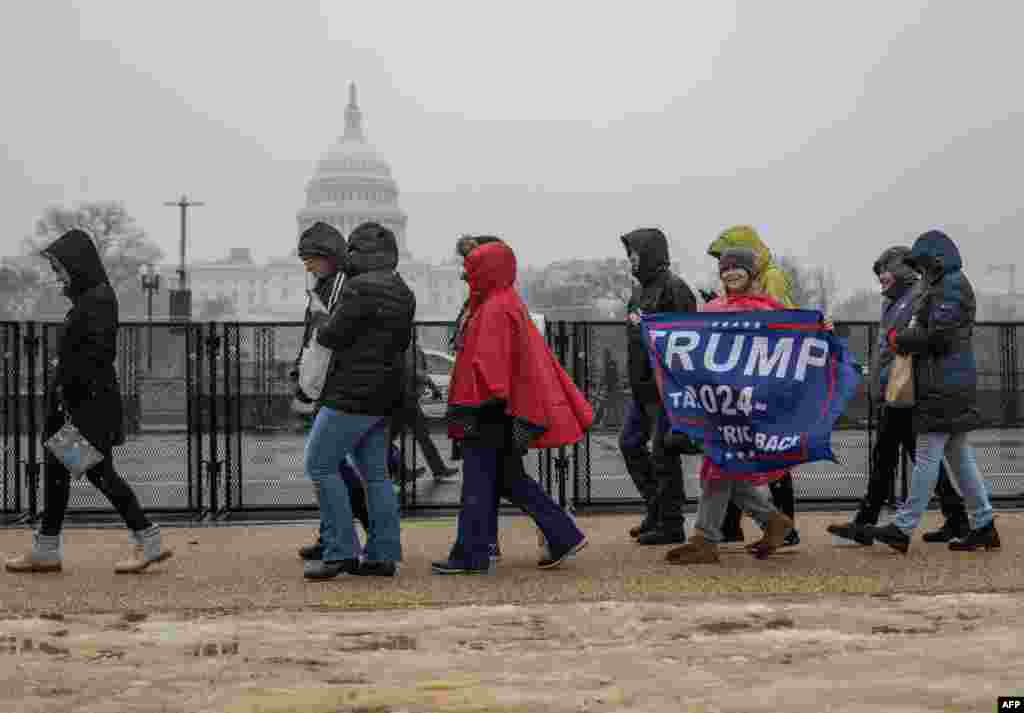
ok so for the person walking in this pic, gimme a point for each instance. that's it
(901, 288)
(368, 334)
(773, 281)
(86, 393)
(938, 337)
(507, 393)
(657, 473)
(322, 252)
(720, 486)
(411, 417)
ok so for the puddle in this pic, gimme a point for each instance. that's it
(725, 627)
(212, 649)
(13, 646)
(378, 642)
(886, 629)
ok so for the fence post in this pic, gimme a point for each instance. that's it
(194, 386)
(12, 348)
(31, 345)
(213, 465)
(231, 365)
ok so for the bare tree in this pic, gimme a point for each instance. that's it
(123, 246)
(811, 286)
(862, 306)
(799, 289)
(18, 284)
(825, 287)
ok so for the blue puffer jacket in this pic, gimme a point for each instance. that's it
(896, 313)
(939, 335)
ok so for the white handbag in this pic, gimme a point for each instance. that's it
(316, 359)
(71, 448)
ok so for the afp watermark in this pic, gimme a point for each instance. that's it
(1010, 703)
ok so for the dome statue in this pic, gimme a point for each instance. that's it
(352, 184)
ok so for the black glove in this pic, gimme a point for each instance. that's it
(682, 443)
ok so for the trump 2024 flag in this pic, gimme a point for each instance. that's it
(760, 390)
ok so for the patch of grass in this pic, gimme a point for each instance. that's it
(375, 599)
(430, 522)
(752, 584)
(368, 699)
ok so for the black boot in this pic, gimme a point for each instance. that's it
(663, 536)
(312, 552)
(646, 525)
(950, 530)
(854, 529)
(986, 538)
(890, 535)
(732, 531)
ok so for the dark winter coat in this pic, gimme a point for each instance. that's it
(85, 383)
(897, 308)
(939, 337)
(896, 314)
(370, 329)
(658, 291)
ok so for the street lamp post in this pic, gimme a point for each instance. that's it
(181, 299)
(151, 284)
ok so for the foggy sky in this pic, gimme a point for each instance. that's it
(836, 128)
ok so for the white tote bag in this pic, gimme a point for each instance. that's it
(316, 359)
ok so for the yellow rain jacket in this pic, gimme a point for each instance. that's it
(771, 279)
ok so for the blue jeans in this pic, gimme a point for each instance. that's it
(336, 434)
(488, 473)
(963, 471)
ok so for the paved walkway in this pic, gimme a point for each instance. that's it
(241, 567)
(230, 626)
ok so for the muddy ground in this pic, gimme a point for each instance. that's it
(229, 625)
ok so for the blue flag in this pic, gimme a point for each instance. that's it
(760, 390)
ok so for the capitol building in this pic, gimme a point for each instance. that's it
(351, 184)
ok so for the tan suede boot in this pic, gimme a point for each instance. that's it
(148, 550)
(775, 529)
(45, 555)
(696, 551)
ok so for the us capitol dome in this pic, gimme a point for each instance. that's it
(351, 184)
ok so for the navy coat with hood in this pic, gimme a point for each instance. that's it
(85, 383)
(658, 291)
(898, 305)
(939, 337)
(370, 329)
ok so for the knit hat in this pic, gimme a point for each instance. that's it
(742, 258)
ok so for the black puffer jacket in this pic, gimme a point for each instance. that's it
(939, 337)
(85, 381)
(659, 291)
(371, 328)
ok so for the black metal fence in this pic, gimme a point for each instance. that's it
(211, 431)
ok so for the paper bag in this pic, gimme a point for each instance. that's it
(899, 392)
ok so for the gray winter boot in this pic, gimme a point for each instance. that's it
(46, 555)
(148, 550)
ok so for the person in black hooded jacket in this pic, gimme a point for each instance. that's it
(322, 251)
(85, 390)
(658, 473)
(369, 334)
